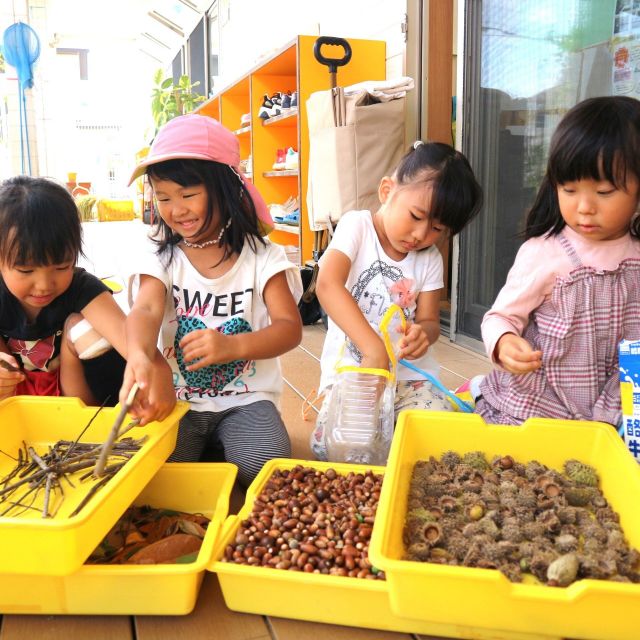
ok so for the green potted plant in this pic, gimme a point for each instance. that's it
(169, 100)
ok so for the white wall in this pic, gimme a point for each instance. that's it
(92, 127)
(254, 29)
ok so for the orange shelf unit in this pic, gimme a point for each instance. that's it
(292, 68)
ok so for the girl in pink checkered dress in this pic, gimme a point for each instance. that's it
(574, 289)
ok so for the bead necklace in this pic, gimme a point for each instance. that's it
(208, 243)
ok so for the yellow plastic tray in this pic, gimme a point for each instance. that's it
(165, 589)
(30, 544)
(322, 598)
(485, 598)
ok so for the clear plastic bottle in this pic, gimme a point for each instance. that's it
(360, 417)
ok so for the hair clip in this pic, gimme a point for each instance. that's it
(417, 143)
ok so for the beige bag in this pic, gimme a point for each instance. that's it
(354, 141)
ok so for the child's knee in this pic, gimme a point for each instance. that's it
(83, 339)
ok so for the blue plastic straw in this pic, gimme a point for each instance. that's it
(462, 405)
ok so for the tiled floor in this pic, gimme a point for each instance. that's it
(301, 370)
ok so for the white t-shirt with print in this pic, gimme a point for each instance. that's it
(376, 281)
(232, 303)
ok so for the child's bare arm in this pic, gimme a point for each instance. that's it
(344, 311)
(107, 318)
(284, 333)
(145, 364)
(425, 330)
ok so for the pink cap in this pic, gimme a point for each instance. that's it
(196, 137)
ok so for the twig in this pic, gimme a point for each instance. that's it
(7, 366)
(115, 431)
(47, 494)
(89, 495)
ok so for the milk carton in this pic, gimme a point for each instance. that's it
(629, 353)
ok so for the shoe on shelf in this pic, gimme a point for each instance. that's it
(286, 101)
(246, 165)
(291, 160)
(268, 109)
(276, 98)
(281, 155)
(292, 219)
(245, 119)
(280, 211)
(294, 99)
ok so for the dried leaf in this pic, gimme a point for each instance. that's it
(167, 549)
(192, 528)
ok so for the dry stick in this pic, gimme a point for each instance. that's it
(93, 417)
(47, 494)
(38, 460)
(21, 498)
(9, 367)
(89, 495)
(68, 467)
(115, 430)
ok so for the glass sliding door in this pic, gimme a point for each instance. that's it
(525, 63)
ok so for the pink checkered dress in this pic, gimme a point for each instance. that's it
(577, 329)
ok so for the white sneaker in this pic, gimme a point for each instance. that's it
(291, 160)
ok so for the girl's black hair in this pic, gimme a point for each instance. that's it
(599, 139)
(456, 196)
(227, 198)
(39, 223)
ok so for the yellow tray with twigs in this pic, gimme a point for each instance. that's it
(136, 589)
(53, 510)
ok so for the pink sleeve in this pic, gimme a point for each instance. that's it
(529, 281)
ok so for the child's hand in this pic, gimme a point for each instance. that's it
(156, 397)
(9, 379)
(207, 346)
(414, 343)
(515, 354)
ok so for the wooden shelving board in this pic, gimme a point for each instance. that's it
(280, 174)
(282, 119)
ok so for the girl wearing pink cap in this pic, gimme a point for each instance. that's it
(221, 298)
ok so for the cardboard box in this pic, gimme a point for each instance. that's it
(629, 355)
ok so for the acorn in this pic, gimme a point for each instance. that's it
(504, 462)
(512, 533)
(432, 533)
(579, 496)
(448, 503)
(418, 551)
(550, 488)
(475, 512)
(563, 570)
(581, 473)
(566, 543)
(477, 460)
(512, 571)
(533, 469)
(450, 459)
